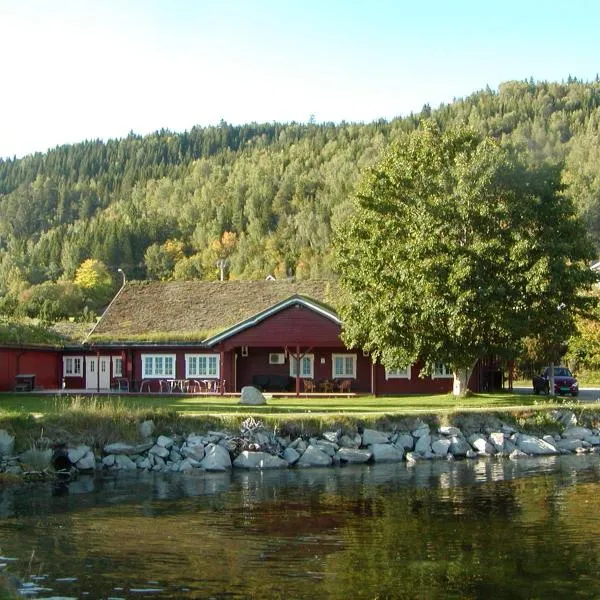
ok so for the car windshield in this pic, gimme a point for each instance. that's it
(560, 372)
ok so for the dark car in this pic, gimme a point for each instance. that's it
(564, 382)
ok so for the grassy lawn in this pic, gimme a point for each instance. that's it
(202, 405)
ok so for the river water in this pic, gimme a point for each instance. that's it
(464, 529)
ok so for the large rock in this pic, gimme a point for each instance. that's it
(7, 443)
(216, 458)
(122, 461)
(146, 429)
(386, 453)
(164, 441)
(579, 433)
(354, 455)
(346, 441)
(87, 462)
(76, 454)
(259, 460)
(480, 444)
(570, 444)
(534, 445)
(291, 455)
(449, 430)
(497, 440)
(372, 436)
(423, 445)
(130, 449)
(441, 447)
(405, 441)
(459, 446)
(252, 396)
(195, 451)
(314, 457)
(158, 451)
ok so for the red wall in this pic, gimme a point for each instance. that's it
(414, 385)
(45, 364)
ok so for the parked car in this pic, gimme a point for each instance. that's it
(564, 382)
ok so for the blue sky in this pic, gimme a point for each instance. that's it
(82, 69)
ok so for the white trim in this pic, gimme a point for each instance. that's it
(345, 374)
(394, 374)
(276, 358)
(293, 362)
(117, 372)
(154, 358)
(193, 367)
(294, 300)
(76, 369)
(444, 373)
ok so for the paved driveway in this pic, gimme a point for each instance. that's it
(586, 394)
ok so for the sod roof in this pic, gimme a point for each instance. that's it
(192, 311)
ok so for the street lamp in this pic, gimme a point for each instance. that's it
(123, 276)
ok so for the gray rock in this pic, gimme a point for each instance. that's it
(7, 443)
(76, 454)
(327, 447)
(566, 418)
(122, 448)
(354, 455)
(593, 440)
(423, 444)
(372, 436)
(459, 446)
(143, 462)
(346, 441)
(291, 455)
(569, 444)
(146, 429)
(252, 396)
(259, 460)
(441, 447)
(314, 457)
(471, 453)
(164, 441)
(534, 445)
(386, 453)
(516, 453)
(331, 436)
(195, 452)
(421, 430)
(186, 465)
(159, 451)
(108, 460)
(579, 433)
(86, 462)
(174, 456)
(122, 461)
(405, 441)
(449, 430)
(480, 444)
(216, 458)
(496, 439)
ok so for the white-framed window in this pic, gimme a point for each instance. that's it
(73, 366)
(155, 366)
(202, 365)
(117, 366)
(343, 365)
(441, 370)
(400, 373)
(307, 366)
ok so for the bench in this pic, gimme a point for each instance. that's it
(24, 383)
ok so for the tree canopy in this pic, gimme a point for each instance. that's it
(458, 248)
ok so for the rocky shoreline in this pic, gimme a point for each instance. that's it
(255, 447)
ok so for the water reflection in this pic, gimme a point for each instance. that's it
(496, 528)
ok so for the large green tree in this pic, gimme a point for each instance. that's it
(457, 249)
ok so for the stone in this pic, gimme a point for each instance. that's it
(252, 396)
(496, 439)
(569, 444)
(421, 430)
(159, 451)
(7, 443)
(441, 447)
(593, 440)
(346, 441)
(405, 441)
(259, 460)
(291, 455)
(534, 445)
(314, 457)
(164, 441)
(354, 455)
(423, 444)
(195, 452)
(579, 433)
(216, 458)
(566, 418)
(449, 430)
(386, 452)
(122, 461)
(86, 462)
(143, 463)
(174, 456)
(146, 429)
(372, 436)
(516, 453)
(327, 447)
(331, 436)
(76, 454)
(471, 453)
(459, 446)
(109, 460)
(122, 448)
(185, 465)
(480, 444)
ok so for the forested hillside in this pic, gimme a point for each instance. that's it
(257, 199)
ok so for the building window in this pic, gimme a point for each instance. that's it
(343, 365)
(117, 366)
(73, 366)
(202, 365)
(401, 373)
(307, 366)
(441, 369)
(158, 365)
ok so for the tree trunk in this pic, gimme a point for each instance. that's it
(461, 380)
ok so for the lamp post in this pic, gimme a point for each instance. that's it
(123, 276)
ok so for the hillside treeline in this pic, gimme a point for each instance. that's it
(247, 200)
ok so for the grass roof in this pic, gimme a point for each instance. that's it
(188, 311)
(28, 332)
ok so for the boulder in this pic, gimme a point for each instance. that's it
(195, 452)
(421, 430)
(386, 453)
(259, 460)
(108, 460)
(7, 443)
(459, 446)
(441, 447)
(76, 454)
(372, 436)
(314, 457)
(159, 451)
(480, 444)
(449, 430)
(496, 439)
(146, 429)
(122, 461)
(534, 445)
(86, 462)
(122, 448)
(291, 455)
(423, 444)
(354, 455)
(186, 465)
(516, 453)
(405, 441)
(327, 447)
(252, 396)
(346, 441)
(570, 444)
(164, 441)
(593, 440)
(579, 433)
(331, 436)
(216, 458)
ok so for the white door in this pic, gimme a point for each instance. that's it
(93, 379)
